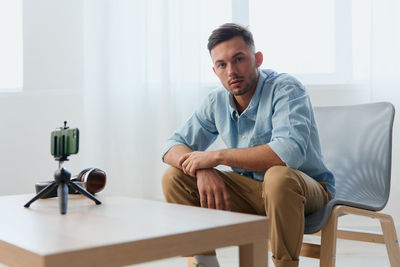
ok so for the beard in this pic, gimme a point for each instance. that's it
(247, 87)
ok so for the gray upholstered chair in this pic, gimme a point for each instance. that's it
(357, 146)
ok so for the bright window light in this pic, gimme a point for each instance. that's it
(295, 36)
(11, 45)
(361, 38)
(218, 13)
(187, 27)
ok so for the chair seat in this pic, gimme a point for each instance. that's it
(316, 221)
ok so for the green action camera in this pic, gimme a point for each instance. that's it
(64, 142)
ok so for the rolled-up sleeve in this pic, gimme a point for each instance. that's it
(291, 122)
(198, 132)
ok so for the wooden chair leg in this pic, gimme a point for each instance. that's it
(391, 240)
(328, 241)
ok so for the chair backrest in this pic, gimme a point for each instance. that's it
(356, 143)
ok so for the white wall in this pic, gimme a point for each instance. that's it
(54, 79)
(53, 84)
(53, 45)
(26, 121)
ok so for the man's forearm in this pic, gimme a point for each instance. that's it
(258, 158)
(173, 155)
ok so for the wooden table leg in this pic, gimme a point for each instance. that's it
(254, 255)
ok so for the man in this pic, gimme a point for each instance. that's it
(267, 123)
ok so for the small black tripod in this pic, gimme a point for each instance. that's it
(62, 177)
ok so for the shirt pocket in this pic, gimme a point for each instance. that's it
(262, 139)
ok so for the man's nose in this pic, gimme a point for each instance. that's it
(232, 70)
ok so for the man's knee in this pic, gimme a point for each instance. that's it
(179, 187)
(170, 179)
(279, 180)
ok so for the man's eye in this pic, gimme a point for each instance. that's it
(222, 65)
(238, 59)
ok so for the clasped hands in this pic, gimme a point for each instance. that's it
(193, 161)
(212, 190)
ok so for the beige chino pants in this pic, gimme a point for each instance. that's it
(286, 196)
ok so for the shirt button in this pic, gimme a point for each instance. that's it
(236, 115)
(243, 136)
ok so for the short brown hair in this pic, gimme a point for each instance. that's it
(226, 32)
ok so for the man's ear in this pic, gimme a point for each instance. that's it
(259, 59)
(214, 70)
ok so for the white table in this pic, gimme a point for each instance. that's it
(121, 231)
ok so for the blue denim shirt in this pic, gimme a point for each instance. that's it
(279, 114)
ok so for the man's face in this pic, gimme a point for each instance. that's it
(236, 65)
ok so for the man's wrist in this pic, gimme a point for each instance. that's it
(201, 172)
(219, 157)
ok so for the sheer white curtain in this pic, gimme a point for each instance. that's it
(146, 68)
(385, 77)
(385, 50)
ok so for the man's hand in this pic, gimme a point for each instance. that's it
(193, 161)
(212, 190)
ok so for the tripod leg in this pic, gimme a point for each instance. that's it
(63, 197)
(84, 192)
(42, 193)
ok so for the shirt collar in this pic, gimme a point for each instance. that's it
(251, 110)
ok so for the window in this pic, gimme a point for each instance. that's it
(361, 39)
(11, 45)
(293, 37)
(182, 28)
(218, 13)
(319, 41)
